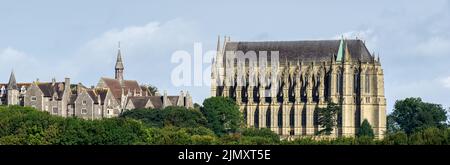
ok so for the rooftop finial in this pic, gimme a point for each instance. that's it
(119, 45)
(218, 43)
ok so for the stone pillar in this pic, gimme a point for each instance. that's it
(322, 87)
(262, 116)
(250, 116)
(298, 119)
(274, 117)
(250, 94)
(287, 119)
(238, 95)
(310, 119)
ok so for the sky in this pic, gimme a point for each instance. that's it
(78, 39)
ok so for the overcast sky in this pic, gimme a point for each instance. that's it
(78, 39)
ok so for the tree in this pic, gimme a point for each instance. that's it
(169, 116)
(412, 114)
(263, 136)
(366, 130)
(328, 117)
(153, 90)
(28, 126)
(222, 114)
(392, 126)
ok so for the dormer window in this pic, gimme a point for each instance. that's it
(84, 102)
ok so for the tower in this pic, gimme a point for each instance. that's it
(119, 66)
(13, 92)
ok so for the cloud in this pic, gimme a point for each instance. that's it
(436, 46)
(19, 61)
(445, 82)
(146, 51)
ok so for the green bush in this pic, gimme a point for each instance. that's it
(169, 116)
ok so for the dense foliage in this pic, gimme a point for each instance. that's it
(412, 114)
(170, 116)
(365, 130)
(206, 125)
(22, 125)
(328, 117)
(222, 114)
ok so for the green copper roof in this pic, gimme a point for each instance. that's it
(340, 54)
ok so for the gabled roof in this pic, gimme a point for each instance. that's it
(116, 87)
(131, 85)
(48, 89)
(156, 101)
(139, 102)
(102, 94)
(173, 99)
(12, 84)
(92, 95)
(308, 51)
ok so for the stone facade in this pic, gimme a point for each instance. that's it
(13, 93)
(286, 92)
(108, 99)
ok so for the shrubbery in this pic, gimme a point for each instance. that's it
(219, 122)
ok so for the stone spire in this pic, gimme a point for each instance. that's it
(340, 52)
(119, 66)
(218, 44)
(12, 84)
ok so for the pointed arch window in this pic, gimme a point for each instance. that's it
(339, 83)
(356, 82)
(367, 82)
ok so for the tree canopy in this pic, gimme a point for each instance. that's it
(412, 114)
(366, 130)
(328, 117)
(169, 116)
(222, 114)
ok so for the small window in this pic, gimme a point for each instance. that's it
(55, 110)
(84, 102)
(33, 98)
(83, 111)
(110, 111)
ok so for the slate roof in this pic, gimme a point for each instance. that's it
(116, 88)
(173, 99)
(93, 95)
(12, 84)
(156, 101)
(48, 89)
(139, 102)
(307, 51)
(102, 94)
